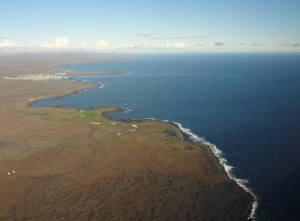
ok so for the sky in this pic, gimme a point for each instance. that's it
(150, 25)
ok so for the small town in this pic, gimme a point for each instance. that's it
(38, 77)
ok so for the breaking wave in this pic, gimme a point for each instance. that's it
(218, 153)
(126, 110)
(100, 85)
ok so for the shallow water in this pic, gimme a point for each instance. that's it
(248, 105)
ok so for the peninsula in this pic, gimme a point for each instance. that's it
(67, 164)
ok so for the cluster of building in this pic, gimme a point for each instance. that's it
(38, 77)
(128, 130)
(10, 173)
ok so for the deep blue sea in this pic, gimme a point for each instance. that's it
(247, 104)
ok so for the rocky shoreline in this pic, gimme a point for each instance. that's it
(67, 168)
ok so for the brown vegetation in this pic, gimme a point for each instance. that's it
(67, 168)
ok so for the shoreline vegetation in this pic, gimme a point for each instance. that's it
(67, 164)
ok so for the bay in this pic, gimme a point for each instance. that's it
(247, 104)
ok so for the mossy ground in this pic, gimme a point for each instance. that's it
(68, 115)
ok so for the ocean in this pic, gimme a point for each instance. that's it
(246, 104)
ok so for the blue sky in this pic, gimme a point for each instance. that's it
(150, 25)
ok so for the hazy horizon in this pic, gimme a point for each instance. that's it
(150, 26)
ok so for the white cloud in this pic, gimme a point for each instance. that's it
(179, 45)
(30, 45)
(169, 46)
(59, 42)
(85, 46)
(145, 35)
(130, 46)
(6, 43)
(219, 44)
(155, 47)
(101, 44)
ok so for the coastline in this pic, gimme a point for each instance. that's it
(213, 159)
(214, 153)
(78, 82)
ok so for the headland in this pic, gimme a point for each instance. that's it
(66, 164)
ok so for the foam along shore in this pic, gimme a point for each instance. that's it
(116, 175)
(100, 85)
(223, 162)
(39, 77)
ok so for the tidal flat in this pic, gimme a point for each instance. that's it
(67, 164)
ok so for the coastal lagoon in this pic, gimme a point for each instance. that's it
(246, 104)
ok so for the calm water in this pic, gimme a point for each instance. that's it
(246, 104)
